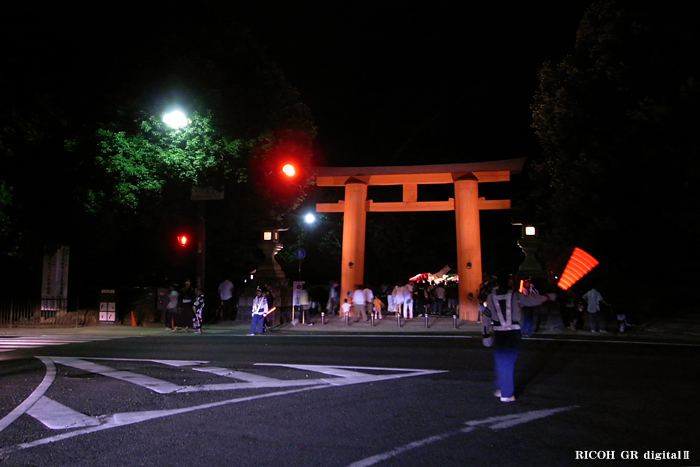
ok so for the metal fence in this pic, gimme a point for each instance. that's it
(45, 312)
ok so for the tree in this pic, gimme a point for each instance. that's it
(141, 164)
(614, 120)
(85, 130)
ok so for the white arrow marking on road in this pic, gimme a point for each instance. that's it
(345, 376)
(175, 363)
(59, 417)
(507, 421)
(33, 397)
(235, 374)
(154, 384)
(129, 418)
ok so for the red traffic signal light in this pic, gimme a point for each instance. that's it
(182, 240)
(289, 170)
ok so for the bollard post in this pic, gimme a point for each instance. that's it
(347, 321)
(426, 321)
(454, 321)
(372, 319)
(323, 318)
(398, 319)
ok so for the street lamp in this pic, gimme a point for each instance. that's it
(175, 119)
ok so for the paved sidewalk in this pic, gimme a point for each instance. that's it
(683, 327)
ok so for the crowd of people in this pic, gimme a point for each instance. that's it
(184, 308)
(409, 299)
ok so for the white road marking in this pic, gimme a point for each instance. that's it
(235, 374)
(8, 344)
(129, 418)
(175, 363)
(57, 416)
(34, 396)
(506, 421)
(154, 384)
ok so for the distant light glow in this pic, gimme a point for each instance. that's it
(289, 170)
(530, 230)
(175, 119)
(310, 218)
(182, 240)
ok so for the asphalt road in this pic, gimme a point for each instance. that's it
(341, 400)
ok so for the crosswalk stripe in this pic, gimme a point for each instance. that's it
(26, 342)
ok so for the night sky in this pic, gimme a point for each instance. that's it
(388, 83)
(393, 84)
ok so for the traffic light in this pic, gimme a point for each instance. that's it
(289, 170)
(182, 240)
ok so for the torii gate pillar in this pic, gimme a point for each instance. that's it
(354, 230)
(466, 204)
(468, 245)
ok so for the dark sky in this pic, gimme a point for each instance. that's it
(393, 84)
(389, 83)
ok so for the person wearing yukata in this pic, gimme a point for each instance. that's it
(198, 309)
(501, 329)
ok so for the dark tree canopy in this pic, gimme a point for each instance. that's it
(89, 163)
(617, 121)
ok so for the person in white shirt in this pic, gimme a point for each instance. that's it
(369, 300)
(595, 318)
(358, 302)
(258, 313)
(399, 294)
(227, 310)
(408, 303)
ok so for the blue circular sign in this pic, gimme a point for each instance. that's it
(301, 253)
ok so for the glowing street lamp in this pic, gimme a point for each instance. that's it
(310, 218)
(175, 119)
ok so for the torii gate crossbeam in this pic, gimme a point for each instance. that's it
(466, 204)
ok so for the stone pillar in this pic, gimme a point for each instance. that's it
(354, 229)
(468, 245)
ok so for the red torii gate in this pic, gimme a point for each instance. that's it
(466, 204)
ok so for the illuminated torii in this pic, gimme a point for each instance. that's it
(466, 204)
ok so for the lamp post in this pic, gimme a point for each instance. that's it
(176, 120)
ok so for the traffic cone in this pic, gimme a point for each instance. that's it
(133, 319)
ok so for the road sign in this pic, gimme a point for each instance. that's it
(301, 253)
